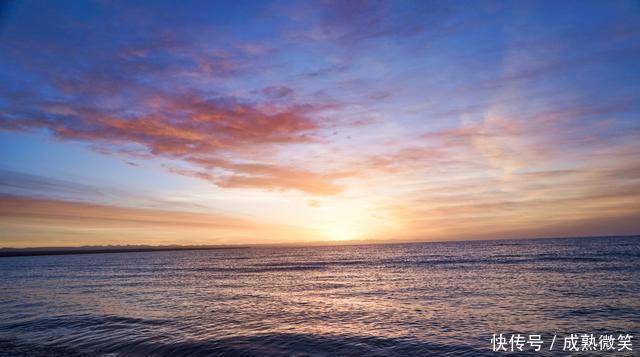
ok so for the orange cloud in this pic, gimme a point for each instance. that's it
(537, 203)
(197, 130)
(264, 176)
(48, 222)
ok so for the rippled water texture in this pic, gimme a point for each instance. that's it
(411, 299)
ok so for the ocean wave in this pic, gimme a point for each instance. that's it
(256, 345)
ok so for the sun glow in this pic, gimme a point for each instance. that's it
(341, 233)
(343, 219)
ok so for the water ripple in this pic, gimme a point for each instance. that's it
(443, 299)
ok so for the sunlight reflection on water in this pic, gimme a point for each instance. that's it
(444, 298)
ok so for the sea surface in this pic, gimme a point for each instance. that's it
(444, 299)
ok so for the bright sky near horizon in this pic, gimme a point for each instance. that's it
(235, 122)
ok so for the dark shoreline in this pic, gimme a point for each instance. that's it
(41, 252)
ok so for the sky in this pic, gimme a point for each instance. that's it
(244, 122)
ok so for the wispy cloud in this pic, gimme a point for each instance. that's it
(44, 222)
(190, 128)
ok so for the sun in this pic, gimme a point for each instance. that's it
(341, 219)
(342, 233)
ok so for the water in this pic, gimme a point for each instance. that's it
(410, 299)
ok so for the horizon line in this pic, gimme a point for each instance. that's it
(7, 252)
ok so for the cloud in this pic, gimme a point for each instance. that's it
(314, 203)
(265, 176)
(16, 183)
(276, 92)
(171, 125)
(19, 184)
(48, 222)
(160, 94)
(190, 128)
(560, 66)
(530, 202)
(353, 23)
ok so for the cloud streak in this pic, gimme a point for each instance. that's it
(45, 222)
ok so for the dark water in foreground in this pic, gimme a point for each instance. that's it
(413, 299)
